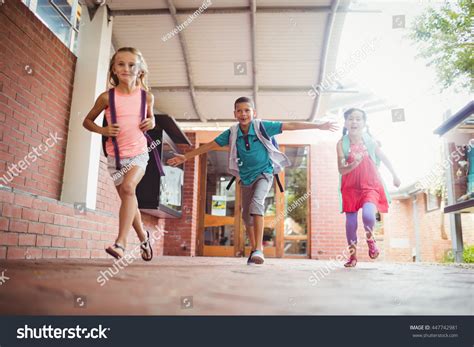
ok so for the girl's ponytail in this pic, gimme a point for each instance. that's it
(344, 131)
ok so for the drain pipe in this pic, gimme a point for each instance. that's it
(416, 227)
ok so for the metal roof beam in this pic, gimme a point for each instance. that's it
(184, 48)
(253, 33)
(238, 89)
(323, 57)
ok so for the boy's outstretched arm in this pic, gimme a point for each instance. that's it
(325, 125)
(178, 159)
(388, 164)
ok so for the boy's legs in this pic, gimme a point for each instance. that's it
(253, 204)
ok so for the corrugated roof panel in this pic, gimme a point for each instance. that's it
(284, 106)
(295, 3)
(218, 105)
(289, 47)
(164, 58)
(135, 5)
(213, 3)
(213, 52)
(175, 104)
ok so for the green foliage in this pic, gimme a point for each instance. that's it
(444, 38)
(296, 188)
(468, 254)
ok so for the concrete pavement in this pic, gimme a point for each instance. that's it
(227, 286)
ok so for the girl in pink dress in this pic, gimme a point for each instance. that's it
(362, 187)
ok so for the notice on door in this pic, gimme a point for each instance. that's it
(218, 205)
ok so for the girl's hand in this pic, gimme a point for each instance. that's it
(328, 125)
(111, 130)
(178, 159)
(147, 124)
(396, 181)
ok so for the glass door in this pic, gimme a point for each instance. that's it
(296, 221)
(220, 217)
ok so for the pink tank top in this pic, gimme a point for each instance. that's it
(131, 141)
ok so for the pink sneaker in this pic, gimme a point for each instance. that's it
(352, 262)
(373, 250)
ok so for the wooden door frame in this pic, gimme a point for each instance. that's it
(239, 232)
(308, 206)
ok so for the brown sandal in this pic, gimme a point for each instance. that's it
(112, 250)
(146, 249)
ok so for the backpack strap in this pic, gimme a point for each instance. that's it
(149, 140)
(230, 183)
(113, 118)
(265, 135)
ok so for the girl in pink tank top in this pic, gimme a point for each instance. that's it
(127, 160)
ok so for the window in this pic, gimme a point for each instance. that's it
(432, 202)
(62, 17)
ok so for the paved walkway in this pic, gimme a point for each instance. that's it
(227, 286)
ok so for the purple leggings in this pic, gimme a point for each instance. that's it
(368, 217)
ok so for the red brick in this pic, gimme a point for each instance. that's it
(49, 253)
(27, 240)
(30, 214)
(4, 223)
(40, 205)
(43, 241)
(23, 200)
(50, 229)
(16, 252)
(36, 228)
(18, 226)
(8, 238)
(46, 217)
(3, 252)
(58, 241)
(6, 196)
(34, 253)
(63, 253)
(11, 211)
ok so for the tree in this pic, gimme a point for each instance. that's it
(444, 38)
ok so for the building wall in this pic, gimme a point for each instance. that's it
(36, 91)
(36, 81)
(180, 238)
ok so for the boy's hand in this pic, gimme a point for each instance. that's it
(328, 125)
(178, 159)
(396, 181)
(147, 124)
(111, 130)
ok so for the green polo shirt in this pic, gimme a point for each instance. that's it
(252, 155)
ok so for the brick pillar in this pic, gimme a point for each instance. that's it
(180, 238)
(328, 234)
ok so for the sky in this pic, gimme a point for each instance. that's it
(392, 72)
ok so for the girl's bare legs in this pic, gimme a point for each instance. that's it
(129, 207)
(137, 222)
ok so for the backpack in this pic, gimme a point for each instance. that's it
(275, 143)
(113, 116)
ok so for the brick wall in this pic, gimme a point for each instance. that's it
(180, 238)
(37, 74)
(33, 103)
